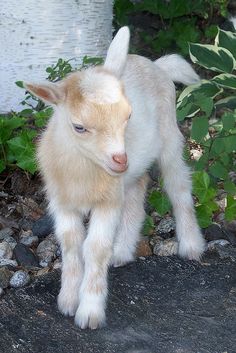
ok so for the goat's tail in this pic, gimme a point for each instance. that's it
(178, 69)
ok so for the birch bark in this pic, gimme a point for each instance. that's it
(34, 34)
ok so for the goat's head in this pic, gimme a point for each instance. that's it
(95, 106)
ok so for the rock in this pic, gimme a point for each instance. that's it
(11, 241)
(230, 230)
(225, 251)
(6, 222)
(231, 226)
(213, 244)
(5, 276)
(8, 262)
(1, 291)
(6, 232)
(154, 172)
(166, 247)
(166, 225)
(214, 232)
(27, 238)
(30, 208)
(57, 264)
(5, 250)
(43, 227)
(155, 240)
(144, 248)
(24, 256)
(19, 279)
(46, 252)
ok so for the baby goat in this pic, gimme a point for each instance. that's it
(110, 124)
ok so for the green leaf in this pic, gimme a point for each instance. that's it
(212, 57)
(217, 147)
(191, 94)
(230, 143)
(230, 210)
(227, 40)
(228, 102)
(204, 216)
(160, 202)
(201, 182)
(225, 80)
(229, 121)
(148, 225)
(2, 165)
(20, 84)
(23, 150)
(199, 128)
(218, 170)
(230, 187)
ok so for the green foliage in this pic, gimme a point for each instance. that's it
(174, 23)
(210, 107)
(18, 131)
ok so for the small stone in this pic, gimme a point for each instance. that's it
(144, 248)
(6, 232)
(1, 291)
(213, 244)
(166, 247)
(8, 262)
(43, 227)
(19, 279)
(155, 240)
(230, 230)
(46, 252)
(5, 276)
(166, 225)
(226, 252)
(27, 238)
(5, 250)
(57, 264)
(214, 232)
(11, 241)
(231, 226)
(25, 256)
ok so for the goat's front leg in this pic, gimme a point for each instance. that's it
(97, 251)
(70, 233)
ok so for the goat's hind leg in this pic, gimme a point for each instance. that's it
(70, 233)
(177, 183)
(133, 216)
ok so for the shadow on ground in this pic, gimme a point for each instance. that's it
(156, 305)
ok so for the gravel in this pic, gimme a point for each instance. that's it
(166, 225)
(46, 252)
(5, 250)
(19, 279)
(166, 247)
(6, 232)
(5, 276)
(25, 256)
(43, 227)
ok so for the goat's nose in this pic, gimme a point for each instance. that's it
(120, 158)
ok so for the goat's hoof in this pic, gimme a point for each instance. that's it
(192, 249)
(90, 317)
(67, 303)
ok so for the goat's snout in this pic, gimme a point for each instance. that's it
(120, 158)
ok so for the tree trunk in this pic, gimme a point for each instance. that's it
(34, 34)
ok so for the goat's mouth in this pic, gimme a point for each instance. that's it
(116, 170)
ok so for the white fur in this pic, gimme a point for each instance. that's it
(178, 69)
(82, 178)
(99, 87)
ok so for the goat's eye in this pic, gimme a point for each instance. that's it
(79, 128)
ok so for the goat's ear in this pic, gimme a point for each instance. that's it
(51, 93)
(117, 52)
